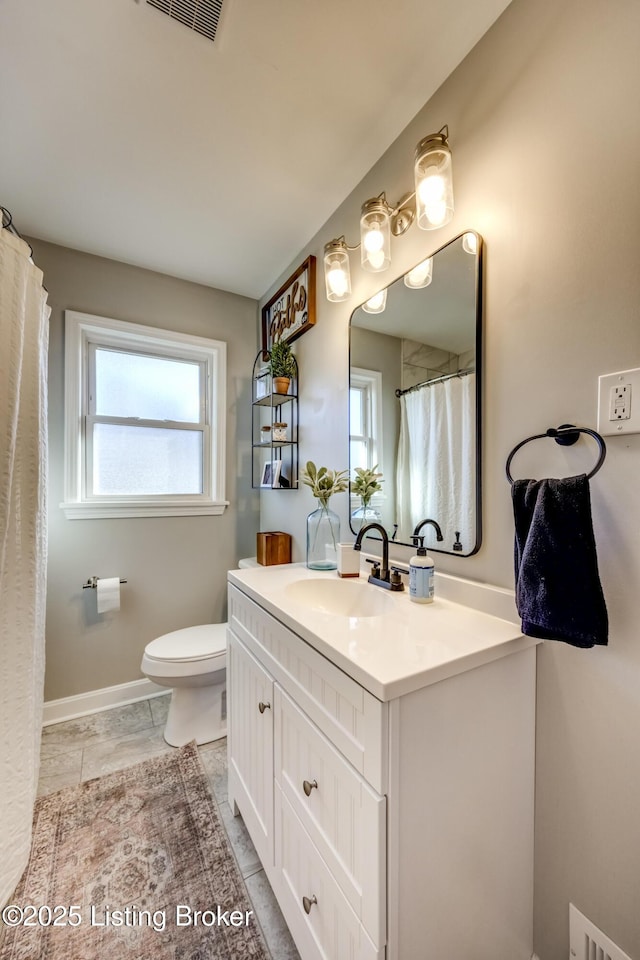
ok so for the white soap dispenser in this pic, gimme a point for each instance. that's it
(421, 569)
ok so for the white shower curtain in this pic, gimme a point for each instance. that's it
(436, 474)
(24, 333)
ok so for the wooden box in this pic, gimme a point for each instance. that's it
(273, 546)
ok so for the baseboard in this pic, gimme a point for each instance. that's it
(69, 708)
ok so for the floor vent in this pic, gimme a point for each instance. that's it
(586, 942)
(199, 15)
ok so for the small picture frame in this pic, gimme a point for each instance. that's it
(261, 388)
(271, 473)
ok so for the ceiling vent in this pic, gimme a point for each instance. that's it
(199, 15)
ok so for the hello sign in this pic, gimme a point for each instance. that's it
(292, 311)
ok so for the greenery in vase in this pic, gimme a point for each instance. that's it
(324, 482)
(366, 484)
(281, 361)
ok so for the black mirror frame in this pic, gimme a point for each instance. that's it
(479, 342)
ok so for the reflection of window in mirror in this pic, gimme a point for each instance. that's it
(365, 424)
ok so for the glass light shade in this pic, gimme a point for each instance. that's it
(375, 236)
(420, 276)
(434, 182)
(337, 275)
(470, 243)
(376, 303)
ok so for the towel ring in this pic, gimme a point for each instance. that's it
(566, 435)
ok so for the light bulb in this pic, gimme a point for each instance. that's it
(376, 303)
(432, 195)
(420, 276)
(432, 188)
(376, 258)
(337, 280)
(470, 243)
(436, 212)
(373, 240)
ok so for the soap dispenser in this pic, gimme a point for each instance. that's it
(421, 568)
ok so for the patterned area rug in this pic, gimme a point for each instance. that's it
(135, 865)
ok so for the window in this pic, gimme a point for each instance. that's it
(144, 421)
(365, 424)
(365, 421)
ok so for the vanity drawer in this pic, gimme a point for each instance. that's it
(344, 817)
(330, 929)
(349, 716)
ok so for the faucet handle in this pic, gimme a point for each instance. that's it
(375, 567)
(396, 579)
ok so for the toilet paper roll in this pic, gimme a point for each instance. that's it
(108, 594)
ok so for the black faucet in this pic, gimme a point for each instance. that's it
(419, 526)
(393, 582)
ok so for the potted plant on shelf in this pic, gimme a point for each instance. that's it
(323, 525)
(282, 366)
(364, 486)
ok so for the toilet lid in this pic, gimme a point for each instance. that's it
(191, 643)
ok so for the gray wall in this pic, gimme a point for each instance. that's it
(175, 566)
(545, 132)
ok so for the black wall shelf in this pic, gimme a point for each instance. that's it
(267, 409)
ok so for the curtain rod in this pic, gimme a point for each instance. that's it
(428, 383)
(10, 226)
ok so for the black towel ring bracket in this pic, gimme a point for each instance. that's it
(566, 435)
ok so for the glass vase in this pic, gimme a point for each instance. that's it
(323, 537)
(363, 515)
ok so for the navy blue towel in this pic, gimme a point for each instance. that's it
(558, 590)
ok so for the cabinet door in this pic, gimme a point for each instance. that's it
(250, 745)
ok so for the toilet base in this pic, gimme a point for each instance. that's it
(196, 713)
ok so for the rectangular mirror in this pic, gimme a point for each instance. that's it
(414, 400)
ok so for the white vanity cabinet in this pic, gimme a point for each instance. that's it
(398, 829)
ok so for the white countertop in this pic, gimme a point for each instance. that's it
(403, 647)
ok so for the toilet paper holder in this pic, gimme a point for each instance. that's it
(92, 582)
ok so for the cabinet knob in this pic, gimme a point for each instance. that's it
(263, 706)
(308, 903)
(308, 786)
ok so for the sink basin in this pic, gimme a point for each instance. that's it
(341, 598)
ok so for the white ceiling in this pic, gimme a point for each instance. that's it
(127, 135)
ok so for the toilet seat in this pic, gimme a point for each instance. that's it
(205, 642)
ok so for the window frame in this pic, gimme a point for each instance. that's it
(83, 334)
(369, 382)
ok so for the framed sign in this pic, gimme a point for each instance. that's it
(292, 311)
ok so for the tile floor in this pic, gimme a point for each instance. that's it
(81, 749)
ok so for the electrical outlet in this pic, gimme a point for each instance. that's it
(619, 403)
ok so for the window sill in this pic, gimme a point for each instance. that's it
(106, 510)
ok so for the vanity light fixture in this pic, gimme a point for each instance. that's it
(431, 204)
(420, 276)
(375, 235)
(434, 182)
(376, 303)
(337, 275)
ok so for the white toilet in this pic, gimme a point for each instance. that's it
(193, 662)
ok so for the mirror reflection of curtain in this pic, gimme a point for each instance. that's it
(438, 431)
(24, 332)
